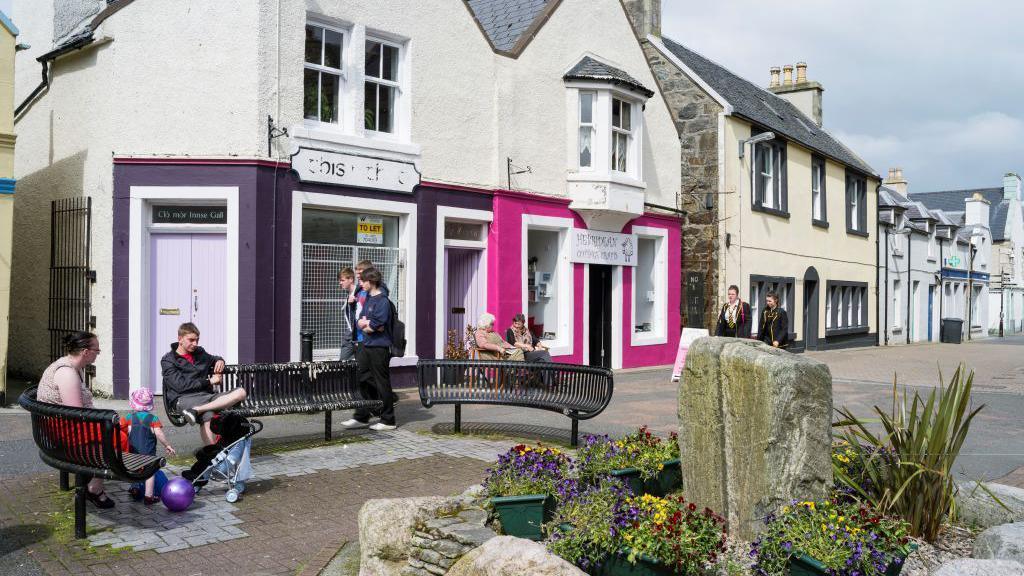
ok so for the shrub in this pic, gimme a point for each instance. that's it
(849, 539)
(907, 470)
(527, 470)
(642, 450)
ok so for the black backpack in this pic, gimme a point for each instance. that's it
(397, 331)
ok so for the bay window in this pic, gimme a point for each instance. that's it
(586, 143)
(622, 134)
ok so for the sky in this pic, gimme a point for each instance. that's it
(5, 6)
(934, 87)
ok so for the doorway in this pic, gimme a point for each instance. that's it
(931, 310)
(463, 297)
(811, 309)
(188, 277)
(600, 317)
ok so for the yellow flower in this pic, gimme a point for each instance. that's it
(785, 509)
(843, 459)
(824, 528)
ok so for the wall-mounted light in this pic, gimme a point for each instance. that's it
(728, 240)
(762, 137)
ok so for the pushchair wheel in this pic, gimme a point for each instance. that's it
(231, 496)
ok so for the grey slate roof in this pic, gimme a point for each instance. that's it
(590, 69)
(953, 201)
(505, 21)
(766, 109)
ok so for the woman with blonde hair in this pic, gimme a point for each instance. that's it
(491, 345)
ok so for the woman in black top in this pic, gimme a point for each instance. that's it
(734, 319)
(774, 326)
(520, 336)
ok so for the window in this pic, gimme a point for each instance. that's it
(650, 286)
(975, 297)
(586, 147)
(759, 288)
(896, 322)
(770, 193)
(547, 282)
(622, 134)
(856, 204)
(848, 311)
(382, 87)
(931, 246)
(323, 74)
(818, 211)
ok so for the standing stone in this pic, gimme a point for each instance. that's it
(755, 429)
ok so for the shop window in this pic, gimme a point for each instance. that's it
(323, 73)
(382, 85)
(848, 306)
(760, 286)
(542, 280)
(650, 286)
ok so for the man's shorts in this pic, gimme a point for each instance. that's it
(189, 401)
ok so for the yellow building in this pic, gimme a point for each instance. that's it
(8, 40)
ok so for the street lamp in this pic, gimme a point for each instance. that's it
(908, 232)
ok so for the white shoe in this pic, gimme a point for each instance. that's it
(380, 427)
(353, 423)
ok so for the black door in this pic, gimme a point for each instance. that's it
(600, 315)
(811, 309)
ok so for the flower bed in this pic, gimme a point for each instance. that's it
(645, 462)
(839, 539)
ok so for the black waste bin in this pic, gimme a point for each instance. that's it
(951, 331)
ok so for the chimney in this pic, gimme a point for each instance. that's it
(645, 15)
(775, 71)
(1012, 187)
(803, 94)
(976, 210)
(895, 181)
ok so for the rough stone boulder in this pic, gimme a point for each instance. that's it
(976, 507)
(386, 529)
(972, 567)
(1004, 542)
(510, 556)
(755, 429)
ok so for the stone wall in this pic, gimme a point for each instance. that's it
(438, 543)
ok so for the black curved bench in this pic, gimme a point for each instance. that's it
(291, 388)
(578, 392)
(87, 443)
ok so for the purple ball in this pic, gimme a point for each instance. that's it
(178, 494)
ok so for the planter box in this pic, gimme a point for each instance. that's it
(669, 479)
(618, 565)
(801, 565)
(523, 516)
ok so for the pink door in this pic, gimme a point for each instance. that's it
(187, 284)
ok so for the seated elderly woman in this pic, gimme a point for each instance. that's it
(520, 336)
(490, 343)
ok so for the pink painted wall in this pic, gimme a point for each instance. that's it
(505, 270)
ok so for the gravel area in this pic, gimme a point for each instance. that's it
(954, 542)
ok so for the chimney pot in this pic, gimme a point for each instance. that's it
(801, 72)
(892, 174)
(775, 70)
(899, 173)
(787, 75)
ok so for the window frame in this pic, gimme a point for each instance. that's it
(849, 310)
(659, 334)
(399, 92)
(856, 199)
(581, 125)
(629, 134)
(820, 220)
(563, 344)
(777, 179)
(321, 69)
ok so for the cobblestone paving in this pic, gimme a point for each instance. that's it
(211, 519)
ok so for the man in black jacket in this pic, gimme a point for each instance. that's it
(190, 374)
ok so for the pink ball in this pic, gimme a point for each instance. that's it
(178, 494)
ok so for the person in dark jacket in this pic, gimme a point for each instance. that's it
(520, 336)
(774, 326)
(189, 375)
(347, 283)
(734, 320)
(373, 354)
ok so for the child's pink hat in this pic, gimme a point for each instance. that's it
(141, 399)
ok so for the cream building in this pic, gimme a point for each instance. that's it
(8, 41)
(774, 201)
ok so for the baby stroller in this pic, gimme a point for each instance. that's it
(227, 460)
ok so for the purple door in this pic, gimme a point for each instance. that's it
(464, 299)
(187, 284)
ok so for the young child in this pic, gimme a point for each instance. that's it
(144, 429)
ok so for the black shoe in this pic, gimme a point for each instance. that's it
(101, 500)
(190, 416)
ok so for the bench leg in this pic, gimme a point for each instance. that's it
(65, 484)
(574, 441)
(458, 418)
(81, 483)
(327, 425)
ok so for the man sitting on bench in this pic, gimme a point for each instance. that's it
(190, 374)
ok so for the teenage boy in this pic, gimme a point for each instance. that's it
(373, 353)
(347, 282)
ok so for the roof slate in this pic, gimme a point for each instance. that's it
(762, 107)
(590, 69)
(505, 21)
(953, 201)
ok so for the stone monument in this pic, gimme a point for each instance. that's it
(755, 429)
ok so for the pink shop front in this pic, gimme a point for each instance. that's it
(598, 298)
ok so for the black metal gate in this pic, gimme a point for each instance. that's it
(71, 278)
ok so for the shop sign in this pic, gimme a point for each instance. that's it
(369, 230)
(595, 247)
(354, 170)
(190, 215)
(953, 261)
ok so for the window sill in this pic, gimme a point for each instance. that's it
(606, 176)
(846, 331)
(772, 211)
(932, 259)
(330, 137)
(820, 223)
(647, 338)
(853, 232)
